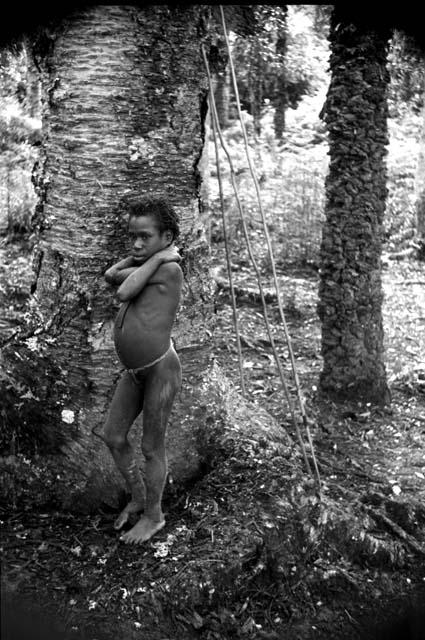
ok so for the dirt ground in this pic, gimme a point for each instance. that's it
(249, 549)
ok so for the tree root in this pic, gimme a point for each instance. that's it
(381, 519)
(246, 294)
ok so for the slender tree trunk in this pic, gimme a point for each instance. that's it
(280, 104)
(280, 101)
(33, 98)
(350, 275)
(124, 110)
(420, 193)
(256, 72)
(222, 97)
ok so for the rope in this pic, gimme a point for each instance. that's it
(254, 263)
(228, 262)
(270, 252)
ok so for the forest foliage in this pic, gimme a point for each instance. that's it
(287, 555)
(289, 46)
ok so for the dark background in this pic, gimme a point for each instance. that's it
(19, 18)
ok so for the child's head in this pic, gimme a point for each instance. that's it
(166, 219)
(153, 225)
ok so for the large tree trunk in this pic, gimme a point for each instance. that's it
(420, 192)
(124, 111)
(350, 274)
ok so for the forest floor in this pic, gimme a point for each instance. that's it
(249, 551)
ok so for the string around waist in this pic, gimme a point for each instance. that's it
(134, 372)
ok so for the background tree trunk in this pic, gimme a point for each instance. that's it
(280, 101)
(256, 71)
(33, 97)
(420, 192)
(222, 97)
(350, 275)
(124, 111)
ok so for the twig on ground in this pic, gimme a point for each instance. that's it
(408, 282)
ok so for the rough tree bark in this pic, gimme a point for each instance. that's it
(420, 192)
(350, 276)
(124, 110)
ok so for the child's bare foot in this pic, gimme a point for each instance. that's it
(134, 506)
(143, 530)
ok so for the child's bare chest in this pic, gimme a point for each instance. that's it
(143, 327)
(149, 310)
(137, 312)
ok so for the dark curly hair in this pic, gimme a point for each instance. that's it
(160, 209)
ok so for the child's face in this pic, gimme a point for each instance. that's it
(145, 237)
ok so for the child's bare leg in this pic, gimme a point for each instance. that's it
(161, 387)
(126, 405)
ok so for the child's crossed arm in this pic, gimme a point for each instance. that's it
(120, 271)
(133, 279)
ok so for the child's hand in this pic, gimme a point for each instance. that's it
(169, 254)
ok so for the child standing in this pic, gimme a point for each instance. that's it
(149, 286)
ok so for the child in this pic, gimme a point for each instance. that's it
(149, 286)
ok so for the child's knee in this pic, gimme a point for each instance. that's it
(114, 441)
(153, 451)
